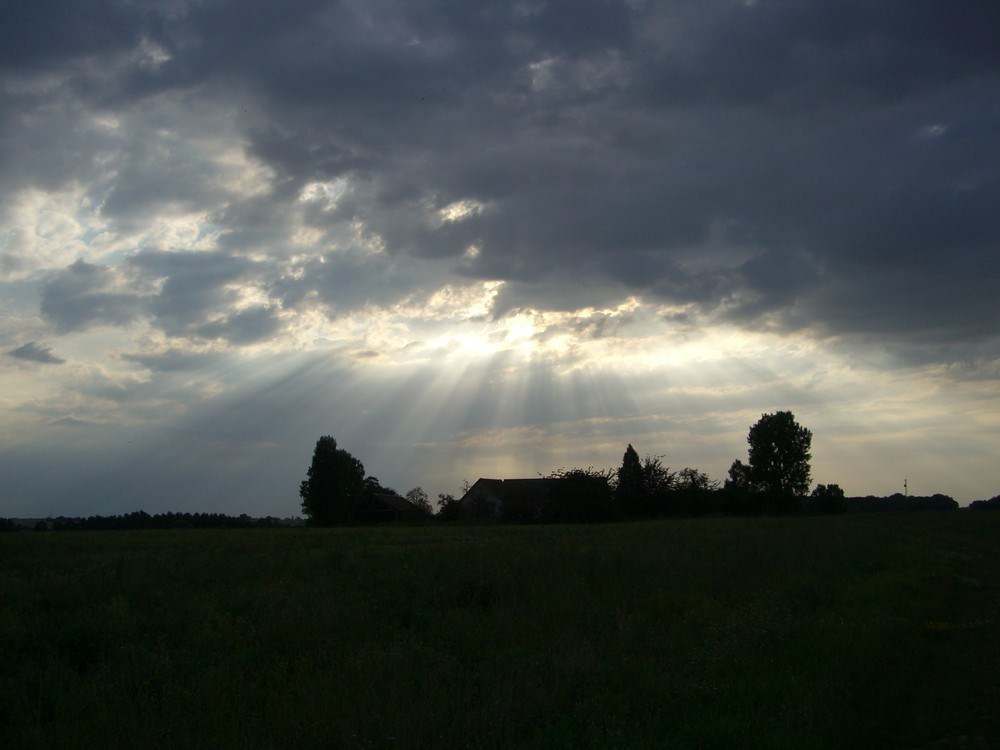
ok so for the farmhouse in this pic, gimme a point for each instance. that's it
(507, 499)
(380, 507)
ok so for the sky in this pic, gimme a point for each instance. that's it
(480, 238)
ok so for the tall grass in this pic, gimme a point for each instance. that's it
(865, 631)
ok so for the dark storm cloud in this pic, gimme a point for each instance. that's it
(830, 166)
(795, 127)
(811, 55)
(45, 34)
(33, 352)
(194, 286)
(245, 327)
(85, 295)
(174, 360)
(342, 282)
(186, 295)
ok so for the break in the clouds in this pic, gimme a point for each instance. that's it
(492, 237)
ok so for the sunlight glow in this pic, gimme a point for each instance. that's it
(237, 173)
(541, 73)
(43, 230)
(327, 194)
(460, 210)
(151, 55)
(454, 302)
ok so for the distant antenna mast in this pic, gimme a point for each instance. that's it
(906, 488)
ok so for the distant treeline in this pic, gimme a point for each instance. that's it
(142, 520)
(899, 502)
(730, 501)
(992, 504)
(580, 496)
(568, 503)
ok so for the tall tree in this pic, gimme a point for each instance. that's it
(779, 455)
(631, 490)
(334, 485)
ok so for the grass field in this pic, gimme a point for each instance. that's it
(848, 631)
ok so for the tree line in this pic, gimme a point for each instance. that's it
(142, 520)
(775, 479)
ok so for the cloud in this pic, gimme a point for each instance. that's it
(181, 294)
(33, 352)
(72, 422)
(194, 288)
(86, 295)
(767, 121)
(175, 360)
(245, 327)
(604, 152)
(191, 190)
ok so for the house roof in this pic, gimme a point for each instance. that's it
(503, 489)
(395, 502)
(525, 487)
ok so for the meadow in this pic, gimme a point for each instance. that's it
(797, 632)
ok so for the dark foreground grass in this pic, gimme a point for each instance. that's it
(852, 631)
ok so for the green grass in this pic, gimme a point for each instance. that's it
(850, 631)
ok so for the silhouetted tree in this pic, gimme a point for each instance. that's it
(690, 493)
(449, 509)
(657, 487)
(900, 502)
(692, 480)
(656, 477)
(631, 490)
(779, 455)
(372, 486)
(418, 497)
(739, 477)
(580, 495)
(738, 495)
(992, 504)
(827, 498)
(334, 487)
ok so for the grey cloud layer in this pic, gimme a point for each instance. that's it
(182, 294)
(33, 352)
(832, 166)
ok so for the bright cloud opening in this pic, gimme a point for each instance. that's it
(460, 210)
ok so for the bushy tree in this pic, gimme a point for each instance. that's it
(334, 486)
(690, 493)
(372, 487)
(690, 479)
(992, 504)
(739, 477)
(656, 476)
(581, 495)
(643, 487)
(827, 498)
(779, 455)
(449, 508)
(419, 498)
(658, 483)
